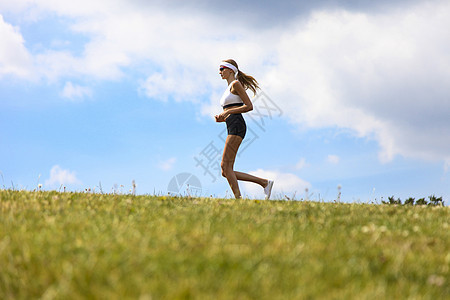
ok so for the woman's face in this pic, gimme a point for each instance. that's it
(224, 72)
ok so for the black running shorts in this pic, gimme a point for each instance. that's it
(236, 125)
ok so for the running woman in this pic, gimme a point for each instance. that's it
(235, 101)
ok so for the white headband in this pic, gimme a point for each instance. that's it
(230, 66)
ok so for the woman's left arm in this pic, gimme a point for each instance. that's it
(248, 106)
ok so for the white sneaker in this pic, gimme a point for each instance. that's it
(268, 189)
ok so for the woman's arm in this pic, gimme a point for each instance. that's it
(248, 106)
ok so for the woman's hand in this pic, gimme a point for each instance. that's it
(222, 117)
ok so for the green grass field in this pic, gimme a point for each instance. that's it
(77, 246)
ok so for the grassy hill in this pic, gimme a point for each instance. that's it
(77, 245)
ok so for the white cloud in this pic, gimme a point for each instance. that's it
(384, 76)
(161, 86)
(284, 184)
(14, 57)
(447, 165)
(168, 164)
(59, 176)
(300, 164)
(333, 159)
(75, 92)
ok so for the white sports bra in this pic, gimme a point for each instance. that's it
(229, 98)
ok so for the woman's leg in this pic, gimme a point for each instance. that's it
(247, 177)
(232, 144)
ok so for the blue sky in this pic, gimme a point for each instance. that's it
(101, 93)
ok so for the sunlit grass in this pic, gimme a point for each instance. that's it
(80, 245)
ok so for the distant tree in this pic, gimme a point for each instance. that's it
(409, 201)
(421, 201)
(435, 201)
